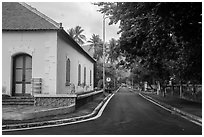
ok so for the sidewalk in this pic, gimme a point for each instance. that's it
(181, 104)
(17, 110)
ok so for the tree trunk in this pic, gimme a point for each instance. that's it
(194, 91)
(164, 90)
(172, 89)
(181, 89)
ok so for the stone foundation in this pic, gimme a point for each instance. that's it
(84, 98)
(54, 100)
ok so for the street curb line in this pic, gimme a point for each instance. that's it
(26, 126)
(195, 119)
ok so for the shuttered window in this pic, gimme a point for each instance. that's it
(84, 75)
(68, 72)
(79, 74)
(90, 78)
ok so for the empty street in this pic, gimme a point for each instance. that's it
(126, 113)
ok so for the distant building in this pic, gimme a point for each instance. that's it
(39, 57)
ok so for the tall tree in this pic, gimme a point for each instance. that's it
(76, 34)
(113, 51)
(166, 36)
(95, 41)
(97, 44)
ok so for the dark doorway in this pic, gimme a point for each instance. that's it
(22, 74)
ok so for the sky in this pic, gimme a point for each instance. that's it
(72, 14)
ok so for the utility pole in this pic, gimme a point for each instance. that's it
(104, 52)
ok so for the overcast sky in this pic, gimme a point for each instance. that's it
(71, 14)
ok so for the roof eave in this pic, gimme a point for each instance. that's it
(15, 29)
(78, 47)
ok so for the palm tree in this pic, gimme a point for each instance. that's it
(71, 32)
(97, 44)
(95, 41)
(76, 34)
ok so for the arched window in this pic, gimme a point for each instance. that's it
(68, 72)
(79, 74)
(84, 75)
(90, 78)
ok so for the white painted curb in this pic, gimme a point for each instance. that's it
(62, 121)
(174, 110)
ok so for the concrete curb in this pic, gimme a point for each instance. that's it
(177, 111)
(42, 124)
(53, 122)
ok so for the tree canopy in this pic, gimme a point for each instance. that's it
(97, 44)
(165, 36)
(76, 34)
(113, 52)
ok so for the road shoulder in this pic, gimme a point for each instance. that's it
(190, 117)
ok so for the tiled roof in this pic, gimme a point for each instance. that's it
(20, 16)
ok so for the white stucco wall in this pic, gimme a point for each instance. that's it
(42, 46)
(66, 51)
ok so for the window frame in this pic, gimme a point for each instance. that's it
(84, 76)
(90, 77)
(68, 72)
(79, 74)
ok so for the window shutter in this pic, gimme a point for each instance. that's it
(67, 72)
(84, 75)
(79, 74)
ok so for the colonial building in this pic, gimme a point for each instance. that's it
(39, 57)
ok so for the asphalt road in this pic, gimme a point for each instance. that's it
(126, 113)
